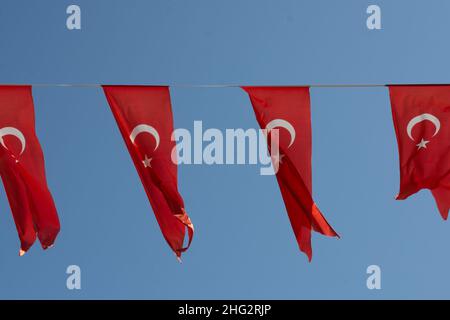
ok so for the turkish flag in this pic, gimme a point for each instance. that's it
(144, 117)
(288, 110)
(422, 124)
(22, 170)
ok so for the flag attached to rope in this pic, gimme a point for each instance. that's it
(288, 110)
(144, 117)
(22, 170)
(421, 117)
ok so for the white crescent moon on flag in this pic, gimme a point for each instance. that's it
(420, 118)
(11, 131)
(280, 123)
(145, 128)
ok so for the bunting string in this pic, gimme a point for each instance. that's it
(188, 85)
(231, 85)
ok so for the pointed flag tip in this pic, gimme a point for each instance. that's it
(178, 256)
(444, 212)
(308, 255)
(48, 246)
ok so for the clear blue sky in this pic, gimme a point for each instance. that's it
(244, 246)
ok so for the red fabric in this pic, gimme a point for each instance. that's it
(23, 173)
(292, 104)
(150, 109)
(425, 148)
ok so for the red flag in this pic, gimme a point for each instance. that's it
(422, 123)
(288, 110)
(144, 117)
(22, 169)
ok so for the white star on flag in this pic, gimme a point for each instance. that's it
(277, 159)
(147, 162)
(422, 144)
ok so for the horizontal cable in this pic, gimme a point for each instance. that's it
(97, 85)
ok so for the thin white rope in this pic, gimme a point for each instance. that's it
(179, 85)
(96, 85)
